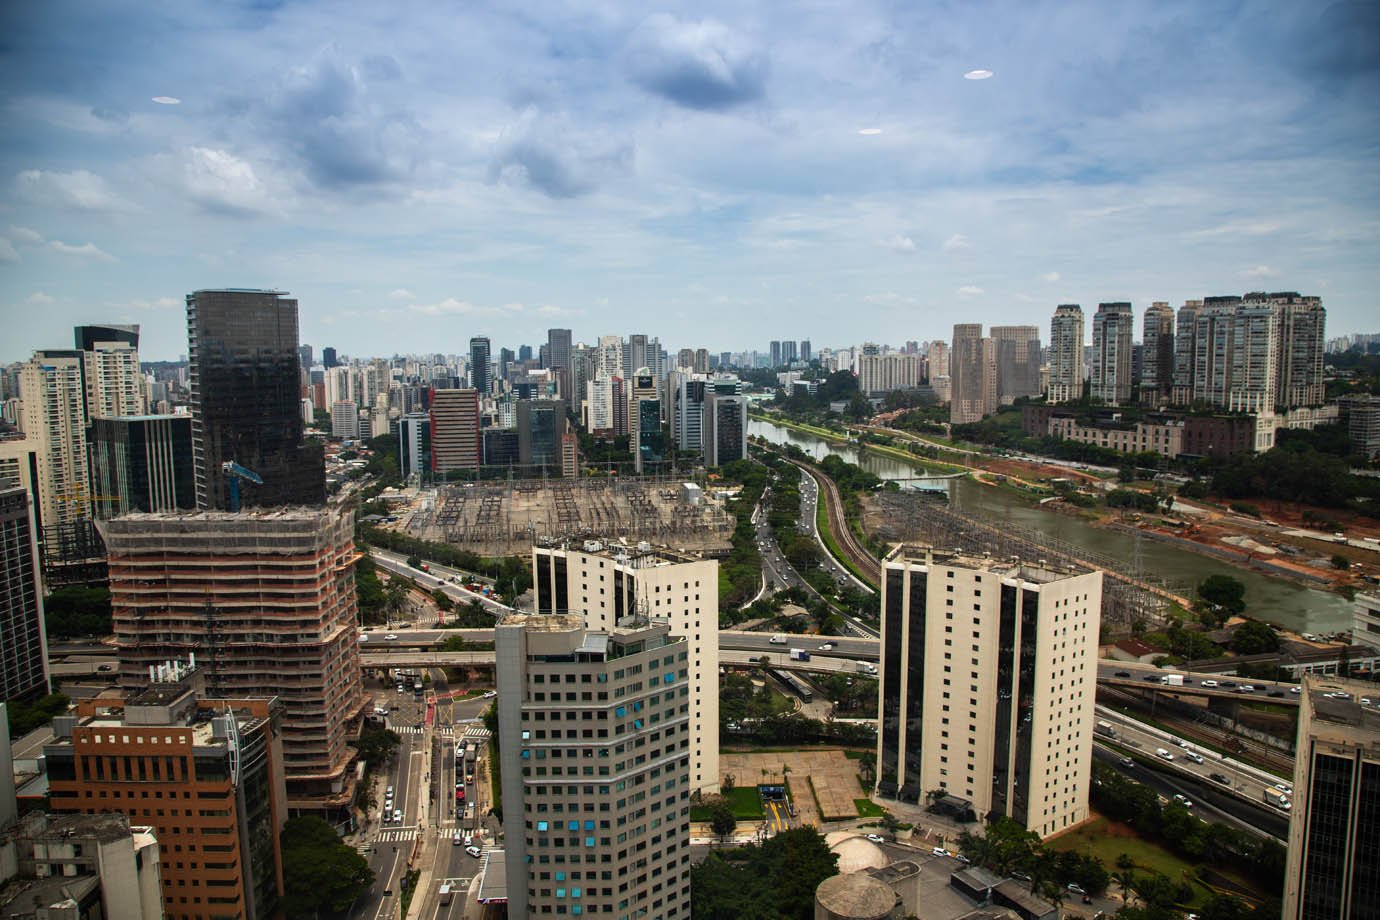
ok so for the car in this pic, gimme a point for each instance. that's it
(490, 694)
(827, 647)
(363, 637)
(1126, 762)
(397, 815)
(1021, 876)
(1209, 683)
(456, 840)
(469, 777)
(1295, 689)
(474, 851)
(391, 637)
(939, 851)
(111, 667)
(1123, 673)
(1229, 684)
(1163, 754)
(1183, 800)
(1076, 888)
(388, 792)
(1194, 756)
(1220, 778)
(1248, 688)
(963, 859)
(876, 838)
(1181, 743)
(1150, 677)
(1285, 788)
(1276, 693)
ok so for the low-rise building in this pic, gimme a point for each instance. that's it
(80, 866)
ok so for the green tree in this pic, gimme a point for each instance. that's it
(443, 600)
(454, 644)
(25, 717)
(1254, 638)
(77, 610)
(1224, 591)
(377, 746)
(369, 591)
(721, 821)
(319, 872)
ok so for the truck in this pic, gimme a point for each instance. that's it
(778, 639)
(1105, 728)
(799, 654)
(444, 892)
(1173, 680)
(1277, 799)
(867, 667)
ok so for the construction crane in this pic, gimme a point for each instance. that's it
(234, 472)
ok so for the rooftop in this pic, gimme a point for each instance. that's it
(1035, 572)
(1336, 702)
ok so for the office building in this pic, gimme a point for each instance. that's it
(972, 375)
(687, 410)
(304, 357)
(1157, 354)
(481, 375)
(987, 685)
(649, 442)
(595, 752)
(559, 358)
(455, 443)
(110, 369)
(1018, 362)
(1363, 422)
(205, 773)
(605, 583)
(1066, 354)
(609, 356)
(1334, 828)
(245, 392)
(878, 374)
(1111, 353)
(725, 426)
(344, 420)
(79, 866)
(142, 463)
(23, 642)
(414, 444)
(328, 358)
(541, 423)
(266, 600)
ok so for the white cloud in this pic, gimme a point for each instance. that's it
(221, 182)
(448, 307)
(970, 290)
(80, 189)
(25, 235)
(1258, 271)
(898, 243)
(39, 298)
(8, 254)
(1051, 277)
(84, 251)
(161, 303)
(957, 243)
(400, 294)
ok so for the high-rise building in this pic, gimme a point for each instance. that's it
(541, 423)
(1158, 357)
(110, 370)
(414, 444)
(480, 373)
(1213, 343)
(1018, 362)
(775, 350)
(788, 352)
(1185, 351)
(936, 361)
(304, 356)
(987, 685)
(328, 358)
(1334, 829)
(54, 423)
(23, 643)
(1113, 334)
(1066, 354)
(725, 427)
(595, 749)
(206, 774)
(687, 410)
(649, 443)
(524, 354)
(506, 358)
(1255, 352)
(558, 358)
(878, 374)
(972, 375)
(805, 353)
(1301, 339)
(245, 392)
(607, 583)
(142, 463)
(455, 443)
(344, 420)
(266, 599)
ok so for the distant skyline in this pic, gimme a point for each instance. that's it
(713, 174)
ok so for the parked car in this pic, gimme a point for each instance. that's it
(876, 838)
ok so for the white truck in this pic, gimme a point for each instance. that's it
(778, 639)
(1173, 680)
(1105, 728)
(799, 654)
(1277, 799)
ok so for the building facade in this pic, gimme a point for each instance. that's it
(1018, 362)
(455, 443)
(53, 419)
(1157, 362)
(1111, 362)
(607, 583)
(972, 375)
(878, 374)
(245, 396)
(481, 374)
(595, 747)
(414, 444)
(23, 639)
(142, 463)
(1334, 827)
(110, 368)
(541, 425)
(987, 685)
(725, 427)
(266, 599)
(1066, 354)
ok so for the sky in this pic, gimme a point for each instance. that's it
(716, 174)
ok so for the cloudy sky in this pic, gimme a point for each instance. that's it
(718, 174)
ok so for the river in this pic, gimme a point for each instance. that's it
(1274, 600)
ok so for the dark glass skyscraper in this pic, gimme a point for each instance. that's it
(480, 378)
(246, 399)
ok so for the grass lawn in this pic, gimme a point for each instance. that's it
(868, 808)
(1108, 839)
(744, 801)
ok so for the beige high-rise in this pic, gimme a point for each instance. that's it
(972, 375)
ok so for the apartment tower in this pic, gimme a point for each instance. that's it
(595, 747)
(1111, 358)
(455, 442)
(1066, 354)
(53, 418)
(246, 399)
(110, 370)
(725, 427)
(266, 600)
(206, 774)
(1157, 361)
(987, 685)
(1185, 347)
(23, 642)
(972, 375)
(1018, 362)
(1334, 829)
(558, 358)
(606, 583)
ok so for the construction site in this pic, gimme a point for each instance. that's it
(507, 517)
(916, 517)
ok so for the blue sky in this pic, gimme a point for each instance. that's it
(718, 174)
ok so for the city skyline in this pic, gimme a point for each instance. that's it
(707, 174)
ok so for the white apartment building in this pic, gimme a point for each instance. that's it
(1111, 361)
(54, 423)
(987, 685)
(607, 582)
(879, 374)
(1066, 354)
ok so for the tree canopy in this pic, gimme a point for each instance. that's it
(77, 610)
(774, 881)
(319, 872)
(1224, 591)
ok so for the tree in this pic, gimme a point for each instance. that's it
(319, 872)
(24, 718)
(1224, 591)
(729, 781)
(1254, 638)
(443, 600)
(377, 746)
(453, 644)
(1340, 562)
(77, 610)
(721, 821)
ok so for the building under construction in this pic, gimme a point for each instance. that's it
(507, 517)
(266, 600)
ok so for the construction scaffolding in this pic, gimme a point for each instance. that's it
(1127, 597)
(497, 517)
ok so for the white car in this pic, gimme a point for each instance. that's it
(939, 851)
(876, 838)
(1194, 756)
(1182, 800)
(1285, 788)
(391, 636)
(457, 840)
(827, 647)
(474, 851)
(397, 815)
(363, 637)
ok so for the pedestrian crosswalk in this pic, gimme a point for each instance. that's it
(396, 835)
(407, 729)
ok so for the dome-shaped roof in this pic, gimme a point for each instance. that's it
(857, 896)
(856, 853)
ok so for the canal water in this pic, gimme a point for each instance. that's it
(1274, 600)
